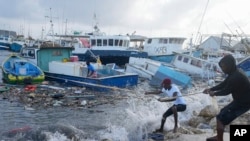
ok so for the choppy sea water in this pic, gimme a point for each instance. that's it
(127, 119)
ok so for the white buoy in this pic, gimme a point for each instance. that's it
(211, 82)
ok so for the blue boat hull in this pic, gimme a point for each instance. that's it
(177, 77)
(97, 84)
(16, 70)
(245, 66)
(15, 47)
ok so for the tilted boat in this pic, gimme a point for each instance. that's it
(17, 70)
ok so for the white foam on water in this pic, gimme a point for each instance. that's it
(144, 113)
(56, 136)
(141, 114)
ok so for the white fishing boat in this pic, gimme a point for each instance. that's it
(108, 48)
(196, 67)
(6, 37)
(162, 48)
(156, 71)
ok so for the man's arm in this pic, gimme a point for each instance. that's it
(155, 92)
(168, 99)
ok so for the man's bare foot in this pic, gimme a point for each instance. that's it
(175, 129)
(158, 131)
(214, 138)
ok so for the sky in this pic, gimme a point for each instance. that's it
(151, 18)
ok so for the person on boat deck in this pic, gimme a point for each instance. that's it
(235, 83)
(91, 70)
(179, 105)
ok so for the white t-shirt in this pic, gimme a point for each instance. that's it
(179, 99)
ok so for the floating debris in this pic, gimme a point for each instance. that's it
(52, 95)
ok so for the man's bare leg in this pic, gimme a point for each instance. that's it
(175, 119)
(220, 130)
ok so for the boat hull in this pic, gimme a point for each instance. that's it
(163, 58)
(17, 70)
(4, 46)
(11, 79)
(15, 47)
(99, 84)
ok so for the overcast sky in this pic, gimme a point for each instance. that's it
(152, 18)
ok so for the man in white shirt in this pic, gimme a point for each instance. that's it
(179, 105)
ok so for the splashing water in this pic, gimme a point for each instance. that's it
(125, 120)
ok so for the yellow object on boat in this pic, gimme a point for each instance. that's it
(65, 60)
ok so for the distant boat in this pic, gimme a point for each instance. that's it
(163, 48)
(6, 37)
(60, 65)
(5, 42)
(17, 70)
(20, 42)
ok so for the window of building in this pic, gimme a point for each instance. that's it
(57, 53)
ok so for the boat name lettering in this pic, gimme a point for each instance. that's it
(161, 49)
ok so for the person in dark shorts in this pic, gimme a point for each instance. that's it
(179, 105)
(237, 84)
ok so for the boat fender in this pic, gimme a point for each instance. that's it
(211, 82)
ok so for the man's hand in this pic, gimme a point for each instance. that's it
(211, 93)
(160, 99)
(207, 91)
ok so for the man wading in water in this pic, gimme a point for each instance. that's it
(237, 84)
(179, 103)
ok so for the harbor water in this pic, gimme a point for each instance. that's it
(126, 119)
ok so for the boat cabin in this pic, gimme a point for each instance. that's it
(163, 45)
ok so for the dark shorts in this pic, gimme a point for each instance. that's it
(231, 112)
(179, 107)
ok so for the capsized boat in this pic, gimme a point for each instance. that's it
(17, 70)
